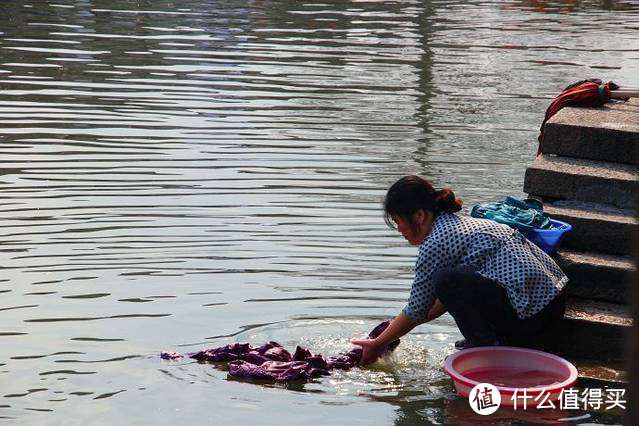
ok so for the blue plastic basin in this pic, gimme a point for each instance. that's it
(548, 239)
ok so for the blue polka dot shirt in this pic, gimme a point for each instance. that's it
(530, 277)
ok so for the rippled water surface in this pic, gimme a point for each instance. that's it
(177, 175)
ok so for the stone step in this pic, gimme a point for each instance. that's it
(591, 330)
(555, 177)
(593, 374)
(595, 227)
(609, 133)
(597, 276)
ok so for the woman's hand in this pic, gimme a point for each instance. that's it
(374, 348)
(371, 350)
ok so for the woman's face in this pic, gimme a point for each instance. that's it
(417, 232)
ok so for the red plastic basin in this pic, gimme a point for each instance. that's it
(511, 370)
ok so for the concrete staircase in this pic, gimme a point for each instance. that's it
(588, 175)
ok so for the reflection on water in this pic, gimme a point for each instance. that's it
(180, 174)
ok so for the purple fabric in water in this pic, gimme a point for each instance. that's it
(272, 362)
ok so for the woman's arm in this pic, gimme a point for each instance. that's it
(398, 327)
(373, 348)
(435, 311)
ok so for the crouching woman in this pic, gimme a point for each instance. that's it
(499, 287)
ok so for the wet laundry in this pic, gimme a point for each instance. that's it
(272, 361)
(521, 214)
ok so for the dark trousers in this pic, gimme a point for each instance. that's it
(484, 314)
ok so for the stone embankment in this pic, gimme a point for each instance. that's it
(587, 175)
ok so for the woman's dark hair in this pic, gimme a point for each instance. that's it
(412, 193)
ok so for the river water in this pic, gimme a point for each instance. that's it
(181, 175)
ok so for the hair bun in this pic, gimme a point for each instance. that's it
(447, 202)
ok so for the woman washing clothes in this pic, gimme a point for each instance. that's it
(500, 288)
